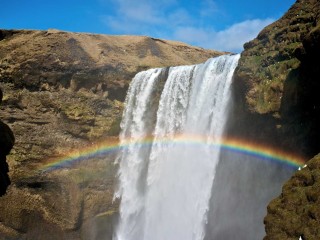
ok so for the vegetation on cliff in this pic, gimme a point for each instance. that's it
(266, 60)
(276, 87)
(296, 212)
(274, 92)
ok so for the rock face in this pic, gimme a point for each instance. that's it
(274, 90)
(64, 92)
(296, 212)
(275, 87)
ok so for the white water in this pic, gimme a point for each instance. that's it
(165, 187)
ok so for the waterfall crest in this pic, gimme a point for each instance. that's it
(165, 186)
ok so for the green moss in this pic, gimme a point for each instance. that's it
(271, 56)
(114, 129)
(296, 211)
(108, 213)
(77, 112)
(96, 170)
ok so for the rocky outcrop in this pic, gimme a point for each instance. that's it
(64, 92)
(274, 93)
(296, 212)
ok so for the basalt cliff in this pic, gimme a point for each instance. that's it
(63, 95)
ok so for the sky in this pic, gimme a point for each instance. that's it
(223, 25)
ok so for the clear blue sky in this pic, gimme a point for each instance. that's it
(216, 24)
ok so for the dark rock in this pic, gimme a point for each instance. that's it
(6, 144)
(296, 211)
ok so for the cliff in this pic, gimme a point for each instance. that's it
(63, 93)
(274, 92)
(296, 211)
(275, 88)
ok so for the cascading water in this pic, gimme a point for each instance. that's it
(165, 187)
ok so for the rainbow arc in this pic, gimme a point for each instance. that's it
(259, 151)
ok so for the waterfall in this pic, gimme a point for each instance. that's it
(165, 176)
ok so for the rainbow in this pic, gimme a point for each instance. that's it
(104, 148)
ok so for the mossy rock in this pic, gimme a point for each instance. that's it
(296, 212)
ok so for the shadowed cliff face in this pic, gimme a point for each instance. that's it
(63, 93)
(274, 92)
(6, 144)
(296, 211)
(276, 89)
